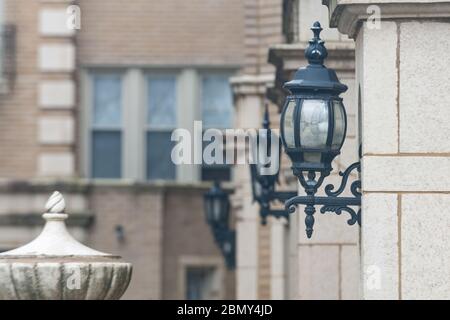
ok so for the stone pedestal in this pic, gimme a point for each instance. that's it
(55, 266)
(402, 70)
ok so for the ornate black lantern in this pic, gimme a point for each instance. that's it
(313, 128)
(264, 179)
(313, 121)
(217, 213)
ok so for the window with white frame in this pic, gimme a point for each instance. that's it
(132, 114)
(161, 121)
(106, 134)
(201, 283)
(217, 112)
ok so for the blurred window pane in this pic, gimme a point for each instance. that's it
(161, 120)
(217, 105)
(159, 162)
(106, 132)
(106, 154)
(107, 95)
(161, 111)
(216, 171)
(200, 283)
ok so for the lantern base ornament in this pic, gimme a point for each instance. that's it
(332, 202)
(217, 214)
(226, 241)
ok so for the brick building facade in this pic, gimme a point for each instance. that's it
(60, 128)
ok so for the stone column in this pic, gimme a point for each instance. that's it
(402, 69)
(249, 95)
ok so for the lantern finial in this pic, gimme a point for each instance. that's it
(316, 52)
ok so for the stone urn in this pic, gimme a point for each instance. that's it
(55, 266)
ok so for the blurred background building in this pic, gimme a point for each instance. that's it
(90, 113)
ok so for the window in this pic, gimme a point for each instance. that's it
(107, 126)
(130, 116)
(217, 104)
(200, 283)
(217, 112)
(161, 121)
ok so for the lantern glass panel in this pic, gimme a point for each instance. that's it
(258, 189)
(314, 124)
(217, 209)
(313, 157)
(339, 125)
(289, 136)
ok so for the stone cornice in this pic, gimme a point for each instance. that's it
(287, 58)
(347, 15)
(290, 57)
(86, 186)
(81, 219)
(252, 84)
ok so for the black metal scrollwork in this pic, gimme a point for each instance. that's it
(332, 202)
(345, 175)
(355, 216)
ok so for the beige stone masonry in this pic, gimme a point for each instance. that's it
(424, 94)
(425, 260)
(56, 53)
(52, 22)
(56, 130)
(380, 245)
(57, 57)
(406, 150)
(380, 119)
(405, 173)
(60, 164)
(315, 263)
(346, 15)
(57, 94)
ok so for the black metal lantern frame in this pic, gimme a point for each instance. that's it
(217, 212)
(313, 128)
(263, 185)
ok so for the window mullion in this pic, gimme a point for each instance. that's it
(133, 125)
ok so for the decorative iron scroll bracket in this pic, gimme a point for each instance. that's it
(332, 202)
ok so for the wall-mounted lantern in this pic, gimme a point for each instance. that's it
(313, 127)
(263, 184)
(217, 214)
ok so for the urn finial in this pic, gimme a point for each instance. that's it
(56, 203)
(50, 261)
